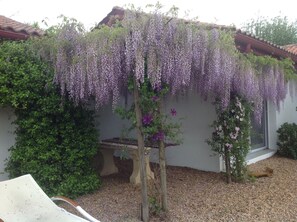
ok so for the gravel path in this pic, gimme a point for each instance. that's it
(203, 196)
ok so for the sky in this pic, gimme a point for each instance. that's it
(90, 12)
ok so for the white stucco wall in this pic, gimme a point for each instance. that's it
(288, 107)
(194, 152)
(286, 113)
(110, 124)
(7, 138)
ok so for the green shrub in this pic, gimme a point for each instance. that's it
(287, 140)
(55, 140)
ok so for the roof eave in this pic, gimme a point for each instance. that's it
(115, 12)
(266, 48)
(13, 35)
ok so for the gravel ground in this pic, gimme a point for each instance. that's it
(202, 196)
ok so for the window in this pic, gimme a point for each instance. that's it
(259, 132)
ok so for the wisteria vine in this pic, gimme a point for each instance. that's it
(183, 55)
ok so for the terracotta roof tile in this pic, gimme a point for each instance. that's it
(291, 48)
(7, 24)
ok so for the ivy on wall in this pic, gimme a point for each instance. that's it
(55, 140)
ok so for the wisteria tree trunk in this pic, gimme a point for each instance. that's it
(227, 164)
(140, 138)
(162, 162)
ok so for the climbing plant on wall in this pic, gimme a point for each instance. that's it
(230, 138)
(55, 140)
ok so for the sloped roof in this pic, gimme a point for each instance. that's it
(291, 48)
(245, 42)
(12, 29)
(266, 42)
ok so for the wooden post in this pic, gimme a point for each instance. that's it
(162, 162)
(140, 139)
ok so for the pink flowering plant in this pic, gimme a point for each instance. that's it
(230, 138)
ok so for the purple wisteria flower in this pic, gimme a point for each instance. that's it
(147, 119)
(180, 55)
(173, 112)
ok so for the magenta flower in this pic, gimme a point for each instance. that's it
(173, 112)
(147, 119)
(158, 88)
(155, 98)
(159, 136)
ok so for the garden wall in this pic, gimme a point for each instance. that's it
(7, 138)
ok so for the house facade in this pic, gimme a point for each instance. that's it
(198, 114)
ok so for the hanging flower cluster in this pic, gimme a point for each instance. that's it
(262, 80)
(90, 65)
(183, 55)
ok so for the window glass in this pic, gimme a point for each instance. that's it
(258, 132)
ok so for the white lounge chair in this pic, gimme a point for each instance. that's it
(22, 200)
